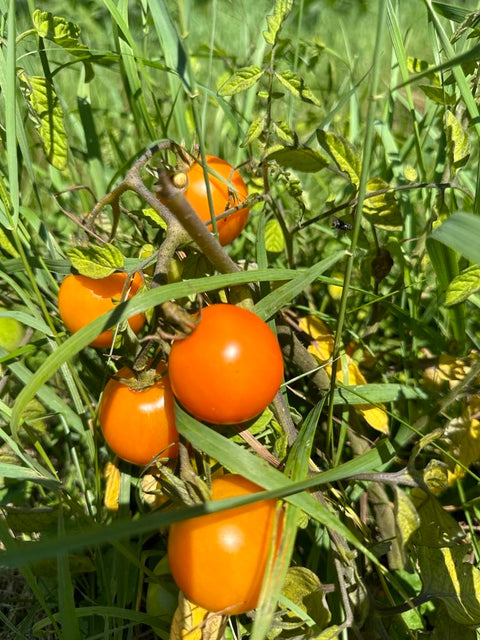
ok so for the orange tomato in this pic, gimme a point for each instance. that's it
(82, 299)
(138, 425)
(219, 560)
(229, 368)
(226, 193)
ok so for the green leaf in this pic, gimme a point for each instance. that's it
(154, 218)
(96, 262)
(447, 577)
(284, 133)
(296, 86)
(303, 588)
(416, 65)
(450, 11)
(274, 21)
(460, 232)
(255, 130)
(406, 517)
(6, 245)
(383, 209)
(463, 286)
(300, 159)
(241, 80)
(343, 153)
(274, 238)
(458, 142)
(59, 30)
(437, 527)
(437, 94)
(47, 115)
(447, 629)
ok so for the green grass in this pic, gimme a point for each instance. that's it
(382, 521)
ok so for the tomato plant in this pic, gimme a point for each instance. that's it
(219, 560)
(229, 368)
(82, 299)
(138, 424)
(228, 190)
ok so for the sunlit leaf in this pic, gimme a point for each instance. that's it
(284, 133)
(96, 262)
(296, 86)
(462, 436)
(458, 142)
(463, 286)
(303, 588)
(47, 115)
(274, 238)
(255, 130)
(60, 30)
(383, 209)
(241, 80)
(343, 153)
(459, 232)
(154, 218)
(112, 486)
(275, 20)
(191, 622)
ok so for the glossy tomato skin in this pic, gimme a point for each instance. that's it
(223, 198)
(229, 368)
(82, 299)
(138, 425)
(219, 560)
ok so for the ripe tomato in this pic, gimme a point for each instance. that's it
(82, 299)
(219, 560)
(229, 368)
(226, 193)
(138, 425)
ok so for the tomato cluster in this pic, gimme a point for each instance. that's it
(225, 371)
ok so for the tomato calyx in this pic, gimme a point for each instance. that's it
(141, 380)
(187, 488)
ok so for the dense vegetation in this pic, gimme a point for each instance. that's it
(356, 128)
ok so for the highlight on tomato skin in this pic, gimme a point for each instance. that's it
(228, 370)
(219, 560)
(139, 424)
(82, 299)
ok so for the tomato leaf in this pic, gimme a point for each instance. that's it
(61, 31)
(343, 153)
(458, 142)
(274, 21)
(255, 130)
(96, 262)
(241, 80)
(463, 286)
(47, 115)
(383, 209)
(298, 158)
(274, 239)
(154, 218)
(296, 86)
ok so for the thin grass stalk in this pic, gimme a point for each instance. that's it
(362, 189)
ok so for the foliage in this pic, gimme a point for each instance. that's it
(356, 128)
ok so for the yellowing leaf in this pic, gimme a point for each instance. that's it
(463, 438)
(382, 209)
(376, 417)
(449, 369)
(191, 622)
(335, 290)
(112, 488)
(322, 349)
